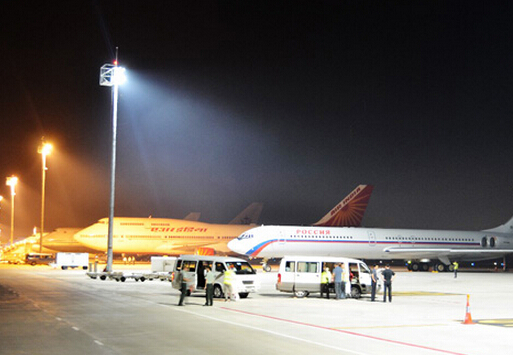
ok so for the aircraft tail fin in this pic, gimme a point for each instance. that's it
(504, 228)
(349, 212)
(250, 215)
(193, 216)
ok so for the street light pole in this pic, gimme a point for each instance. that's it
(1, 198)
(112, 75)
(12, 181)
(44, 149)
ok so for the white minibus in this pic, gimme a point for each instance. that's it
(301, 275)
(246, 280)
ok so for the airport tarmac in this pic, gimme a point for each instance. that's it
(48, 311)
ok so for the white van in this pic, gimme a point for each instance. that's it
(302, 275)
(246, 280)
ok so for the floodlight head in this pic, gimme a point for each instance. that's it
(111, 75)
(45, 149)
(11, 181)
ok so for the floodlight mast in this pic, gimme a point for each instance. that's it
(113, 76)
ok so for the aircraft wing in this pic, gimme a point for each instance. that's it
(183, 247)
(450, 253)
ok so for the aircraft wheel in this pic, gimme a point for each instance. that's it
(451, 268)
(266, 268)
(415, 267)
(424, 266)
(440, 267)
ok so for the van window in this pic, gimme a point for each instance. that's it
(179, 264)
(307, 266)
(290, 266)
(220, 267)
(364, 269)
(191, 264)
(241, 267)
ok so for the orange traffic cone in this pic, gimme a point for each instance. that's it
(468, 317)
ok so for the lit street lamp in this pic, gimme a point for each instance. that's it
(12, 181)
(113, 76)
(44, 149)
(1, 198)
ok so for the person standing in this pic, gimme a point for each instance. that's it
(456, 266)
(374, 282)
(183, 280)
(210, 277)
(343, 283)
(325, 282)
(388, 277)
(337, 279)
(229, 279)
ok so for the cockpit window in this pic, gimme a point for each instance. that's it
(245, 236)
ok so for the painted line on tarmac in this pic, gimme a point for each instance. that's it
(424, 293)
(394, 326)
(180, 309)
(495, 322)
(345, 332)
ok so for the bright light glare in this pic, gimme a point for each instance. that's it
(11, 181)
(46, 149)
(119, 76)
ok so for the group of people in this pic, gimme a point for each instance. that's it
(229, 290)
(339, 277)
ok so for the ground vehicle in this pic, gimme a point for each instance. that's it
(72, 260)
(246, 280)
(39, 258)
(302, 275)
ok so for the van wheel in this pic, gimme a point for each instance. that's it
(218, 292)
(301, 294)
(355, 292)
(243, 294)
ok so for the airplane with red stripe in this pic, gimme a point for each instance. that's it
(421, 247)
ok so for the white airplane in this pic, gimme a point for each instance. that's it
(419, 246)
(175, 236)
(168, 236)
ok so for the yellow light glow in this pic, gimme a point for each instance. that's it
(11, 181)
(45, 149)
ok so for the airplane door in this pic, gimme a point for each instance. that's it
(372, 238)
(281, 239)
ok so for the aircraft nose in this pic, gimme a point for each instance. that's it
(234, 245)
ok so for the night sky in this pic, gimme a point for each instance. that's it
(292, 104)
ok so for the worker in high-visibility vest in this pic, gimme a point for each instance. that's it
(228, 283)
(456, 266)
(325, 282)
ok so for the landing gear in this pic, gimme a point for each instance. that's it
(440, 267)
(415, 266)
